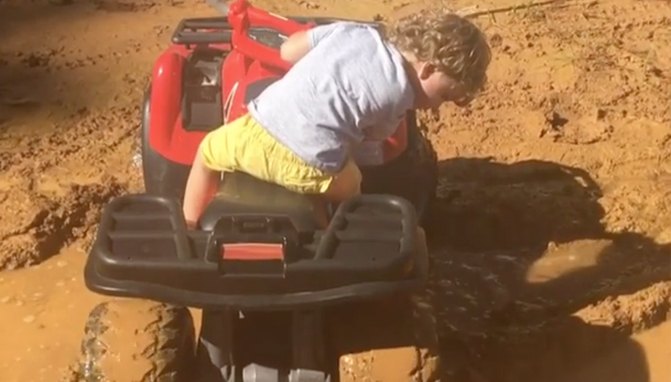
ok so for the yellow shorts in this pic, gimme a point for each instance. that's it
(244, 145)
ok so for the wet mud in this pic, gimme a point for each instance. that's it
(551, 237)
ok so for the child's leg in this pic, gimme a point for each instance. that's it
(200, 189)
(248, 147)
(215, 156)
(320, 207)
(345, 184)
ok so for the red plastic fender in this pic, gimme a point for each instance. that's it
(166, 133)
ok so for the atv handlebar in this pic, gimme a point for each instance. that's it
(242, 28)
(243, 16)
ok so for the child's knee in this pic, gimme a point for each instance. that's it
(346, 184)
(357, 178)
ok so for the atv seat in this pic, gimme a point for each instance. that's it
(242, 194)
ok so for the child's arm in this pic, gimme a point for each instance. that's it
(295, 47)
(300, 43)
(200, 188)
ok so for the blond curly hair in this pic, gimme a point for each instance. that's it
(451, 42)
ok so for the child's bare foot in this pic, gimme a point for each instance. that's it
(191, 225)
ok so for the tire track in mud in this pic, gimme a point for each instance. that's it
(56, 223)
(94, 136)
(54, 186)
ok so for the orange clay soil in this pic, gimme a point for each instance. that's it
(551, 241)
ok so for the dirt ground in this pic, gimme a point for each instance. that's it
(551, 244)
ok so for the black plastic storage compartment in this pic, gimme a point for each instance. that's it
(202, 104)
(143, 249)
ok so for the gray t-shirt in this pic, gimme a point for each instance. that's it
(350, 86)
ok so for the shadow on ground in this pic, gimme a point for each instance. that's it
(517, 250)
(33, 92)
(16, 14)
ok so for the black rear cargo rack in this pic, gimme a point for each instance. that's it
(142, 249)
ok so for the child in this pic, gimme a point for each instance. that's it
(347, 83)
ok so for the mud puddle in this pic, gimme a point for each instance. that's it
(651, 348)
(43, 315)
(43, 310)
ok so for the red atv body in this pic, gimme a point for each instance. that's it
(282, 299)
(206, 78)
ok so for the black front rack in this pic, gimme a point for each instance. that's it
(217, 30)
(210, 30)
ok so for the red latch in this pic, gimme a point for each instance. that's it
(252, 251)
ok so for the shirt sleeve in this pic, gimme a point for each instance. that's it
(385, 117)
(380, 120)
(382, 129)
(318, 33)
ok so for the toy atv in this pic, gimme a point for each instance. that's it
(281, 299)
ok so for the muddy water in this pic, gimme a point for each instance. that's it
(616, 365)
(42, 315)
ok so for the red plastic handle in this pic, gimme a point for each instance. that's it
(242, 16)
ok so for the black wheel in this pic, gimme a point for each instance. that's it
(161, 176)
(413, 175)
(137, 340)
(423, 159)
